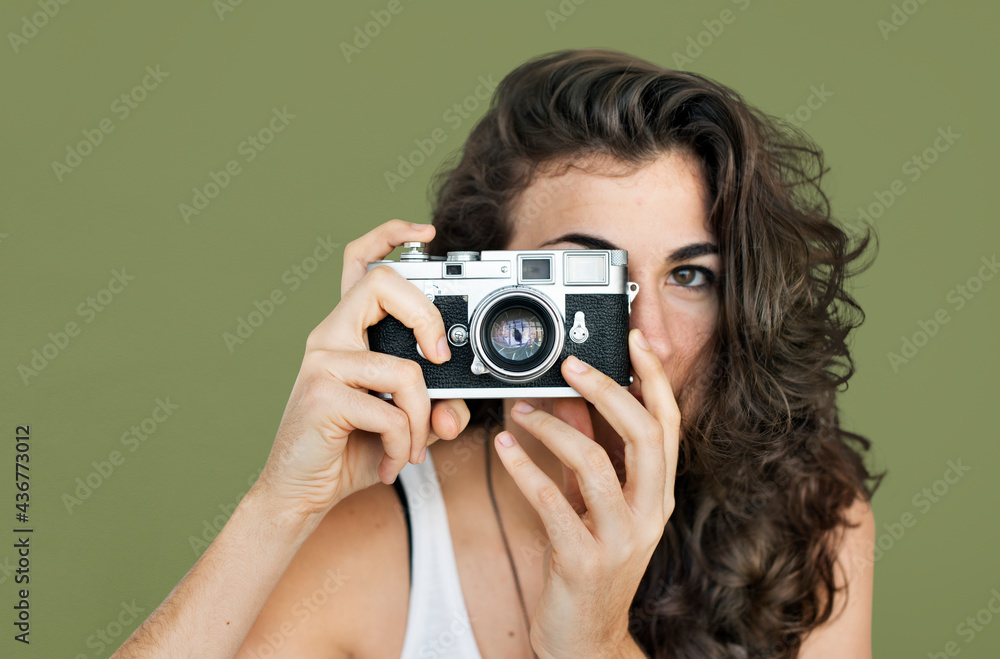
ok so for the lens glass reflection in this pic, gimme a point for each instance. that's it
(517, 334)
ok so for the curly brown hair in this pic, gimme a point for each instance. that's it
(745, 567)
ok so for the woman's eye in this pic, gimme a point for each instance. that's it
(692, 276)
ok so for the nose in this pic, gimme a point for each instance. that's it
(650, 317)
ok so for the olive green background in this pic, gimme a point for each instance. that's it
(322, 178)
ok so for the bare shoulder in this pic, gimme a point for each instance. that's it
(855, 544)
(347, 584)
(848, 631)
(860, 514)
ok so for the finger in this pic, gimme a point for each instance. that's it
(563, 525)
(388, 374)
(382, 292)
(641, 431)
(574, 412)
(598, 482)
(376, 245)
(659, 399)
(448, 418)
(358, 410)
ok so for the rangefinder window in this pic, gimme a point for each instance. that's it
(536, 270)
(453, 270)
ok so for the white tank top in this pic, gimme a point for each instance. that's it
(438, 623)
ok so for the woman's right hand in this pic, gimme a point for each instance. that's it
(335, 438)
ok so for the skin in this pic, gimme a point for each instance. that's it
(651, 212)
(596, 561)
(675, 313)
(601, 533)
(592, 477)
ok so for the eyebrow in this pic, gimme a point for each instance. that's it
(684, 253)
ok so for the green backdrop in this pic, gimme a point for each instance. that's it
(277, 138)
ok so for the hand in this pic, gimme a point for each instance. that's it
(600, 544)
(335, 438)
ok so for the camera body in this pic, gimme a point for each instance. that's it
(511, 317)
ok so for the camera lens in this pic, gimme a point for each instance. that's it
(517, 334)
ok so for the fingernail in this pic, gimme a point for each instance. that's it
(640, 340)
(420, 227)
(444, 352)
(454, 419)
(505, 439)
(575, 365)
(522, 407)
(391, 481)
(423, 454)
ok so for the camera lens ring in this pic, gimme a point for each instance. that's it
(508, 299)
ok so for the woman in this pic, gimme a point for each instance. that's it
(712, 509)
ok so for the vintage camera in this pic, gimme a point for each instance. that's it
(512, 317)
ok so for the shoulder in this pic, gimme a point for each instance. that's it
(354, 563)
(861, 517)
(854, 543)
(848, 631)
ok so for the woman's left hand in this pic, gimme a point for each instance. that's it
(597, 557)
